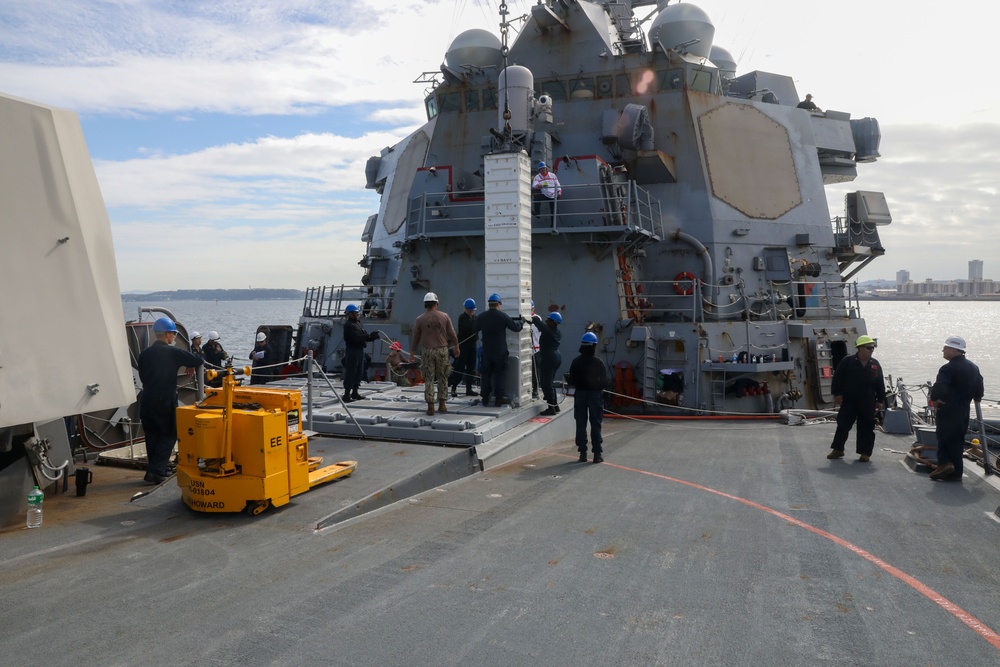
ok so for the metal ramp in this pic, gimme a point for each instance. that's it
(525, 438)
(388, 412)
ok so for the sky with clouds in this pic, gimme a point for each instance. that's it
(230, 137)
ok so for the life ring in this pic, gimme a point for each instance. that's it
(684, 276)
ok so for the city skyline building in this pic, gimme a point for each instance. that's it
(974, 286)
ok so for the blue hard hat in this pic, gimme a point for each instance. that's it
(351, 308)
(589, 338)
(555, 317)
(164, 325)
(541, 165)
(494, 298)
(470, 304)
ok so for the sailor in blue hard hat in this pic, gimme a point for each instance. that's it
(164, 325)
(545, 189)
(589, 376)
(464, 367)
(158, 367)
(548, 357)
(356, 339)
(494, 324)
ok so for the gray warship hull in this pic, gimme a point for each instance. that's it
(692, 235)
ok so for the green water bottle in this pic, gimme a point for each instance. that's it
(35, 498)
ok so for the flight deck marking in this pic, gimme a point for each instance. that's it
(971, 621)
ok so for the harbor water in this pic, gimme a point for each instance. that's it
(910, 334)
(236, 321)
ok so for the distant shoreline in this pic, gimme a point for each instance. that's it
(218, 295)
(299, 295)
(929, 297)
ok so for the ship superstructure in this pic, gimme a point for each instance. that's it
(693, 234)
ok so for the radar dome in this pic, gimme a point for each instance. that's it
(480, 48)
(723, 59)
(684, 27)
(518, 82)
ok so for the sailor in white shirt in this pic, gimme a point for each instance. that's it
(546, 189)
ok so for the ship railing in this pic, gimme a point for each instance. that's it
(693, 301)
(826, 300)
(849, 233)
(607, 208)
(330, 300)
(663, 300)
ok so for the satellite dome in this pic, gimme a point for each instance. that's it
(474, 47)
(723, 59)
(681, 24)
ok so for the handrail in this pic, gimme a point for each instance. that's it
(646, 300)
(330, 301)
(684, 300)
(586, 208)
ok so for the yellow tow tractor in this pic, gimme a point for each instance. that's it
(243, 449)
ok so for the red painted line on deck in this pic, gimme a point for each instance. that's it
(978, 626)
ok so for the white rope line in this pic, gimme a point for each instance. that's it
(696, 426)
(716, 413)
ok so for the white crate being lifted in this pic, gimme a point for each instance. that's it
(508, 255)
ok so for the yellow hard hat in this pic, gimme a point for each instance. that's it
(864, 340)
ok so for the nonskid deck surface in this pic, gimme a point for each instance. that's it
(119, 493)
(694, 544)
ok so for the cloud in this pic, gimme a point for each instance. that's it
(941, 186)
(231, 57)
(191, 257)
(414, 115)
(289, 209)
(289, 212)
(308, 165)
